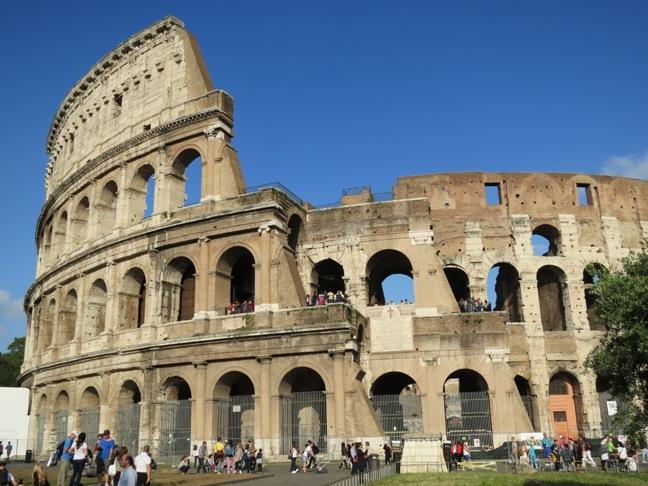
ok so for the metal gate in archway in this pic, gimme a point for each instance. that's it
(40, 434)
(127, 426)
(399, 414)
(61, 425)
(303, 418)
(234, 418)
(175, 429)
(468, 417)
(89, 422)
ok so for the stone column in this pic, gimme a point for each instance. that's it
(202, 280)
(107, 417)
(338, 397)
(112, 300)
(264, 428)
(146, 426)
(198, 432)
(82, 299)
(433, 403)
(123, 205)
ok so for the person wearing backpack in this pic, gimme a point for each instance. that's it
(66, 460)
(6, 478)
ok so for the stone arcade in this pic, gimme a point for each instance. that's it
(127, 327)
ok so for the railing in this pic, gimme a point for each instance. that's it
(354, 191)
(275, 185)
(368, 476)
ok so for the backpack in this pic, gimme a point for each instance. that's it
(59, 450)
(315, 449)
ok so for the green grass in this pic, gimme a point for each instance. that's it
(510, 479)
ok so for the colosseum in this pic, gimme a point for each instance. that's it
(131, 325)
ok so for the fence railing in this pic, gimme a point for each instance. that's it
(368, 476)
(275, 185)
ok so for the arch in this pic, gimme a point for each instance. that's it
(382, 265)
(132, 299)
(459, 283)
(179, 290)
(61, 408)
(80, 218)
(142, 193)
(47, 245)
(186, 178)
(396, 399)
(592, 274)
(89, 411)
(546, 240)
(563, 407)
(524, 390)
(504, 290)
(175, 416)
(68, 318)
(96, 309)
(295, 225)
(128, 414)
(328, 276)
(235, 277)
(234, 407)
(47, 326)
(107, 208)
(467, 407)
(552, 295)
(303, 408)
(61, 234)
(41, 415)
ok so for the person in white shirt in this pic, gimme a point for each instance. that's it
(143, 467)
(79, 451)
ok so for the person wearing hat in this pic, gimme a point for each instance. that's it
(6, 478)
(66, 460)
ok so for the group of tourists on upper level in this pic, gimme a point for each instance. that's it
(329, 297)
(474, 305)
(237, 307)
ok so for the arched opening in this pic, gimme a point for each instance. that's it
(294, 231)
(128, 415)
(132, 299)
(303, 409)
(609, 407)
(175, 418)
(185, 179)
(61, 234)
(41, 415)
(396, 398)
(68, 318)
(142, 194)
(62, 412)
(47, 326)
(504, 291)
(96, 311)
(467, 408)
(460, 286)
(328, 276)
(563, 406)
(235, 280)
(47, 244)
(234, 407)
(545, 240)
(179, 290)
(524, 390)
(592, 274)
(381, 266)
(552, 295)
(107, 208)
(89, 412)
(80, 222)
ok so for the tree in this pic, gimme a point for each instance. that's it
(11, 361)
(620, 360)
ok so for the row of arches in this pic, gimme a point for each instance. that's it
(94, 215)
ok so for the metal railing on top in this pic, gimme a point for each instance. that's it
(275, 185)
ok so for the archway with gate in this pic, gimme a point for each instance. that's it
(90, 412)
(396, 398)
(128, 415)
(234, 407)
(563, 407)
(303, 409)
(467, 409)
(175, 418)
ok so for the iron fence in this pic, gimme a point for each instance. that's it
(61, 425)
(527, 401)
(275, 185)
(175, 429)
(609, 407)
(40, 434)
(234, 418)
(303, 418)
(399, 414)
(127, 425)
(89, 422)
(368, 476)
(468, 418)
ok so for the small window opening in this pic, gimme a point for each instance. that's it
(584, 194)
(117, 104)
(493, 193)
(71, 143)
(147, 127)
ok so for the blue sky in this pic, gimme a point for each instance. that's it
(345, 93)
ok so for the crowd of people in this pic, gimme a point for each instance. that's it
(237, 307)
(223, 457)
(6, 450)
(474, 305)
(324, 298)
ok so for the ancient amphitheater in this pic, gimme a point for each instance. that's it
(127, 318)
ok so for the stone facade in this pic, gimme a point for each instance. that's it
(127, 321)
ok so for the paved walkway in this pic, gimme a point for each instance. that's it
(281, 476)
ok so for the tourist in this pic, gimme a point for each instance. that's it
(79, 451)
(294, 453)
(466, 452)
(514, 454)
(307, 300)
(201, 456)
(238, 457)
(194, 454)
(622, 453)
(533, 457)
(608, 448)
(229, 457)
(586, 447)
(8, 450)
(107, 445)
(388, 453)
(353, 453)
(567, 458)
(66, 460)
(128, 476)
(251, 456)
(259, 460)
(183, 465)
(39, 475)
(6, 478)
(306, 454)
(143, 467)
(99, 462)
(546, 444)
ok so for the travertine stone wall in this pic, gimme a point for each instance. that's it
(134, 298)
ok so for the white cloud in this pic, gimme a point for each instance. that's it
(10, 307)
(631, 165)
